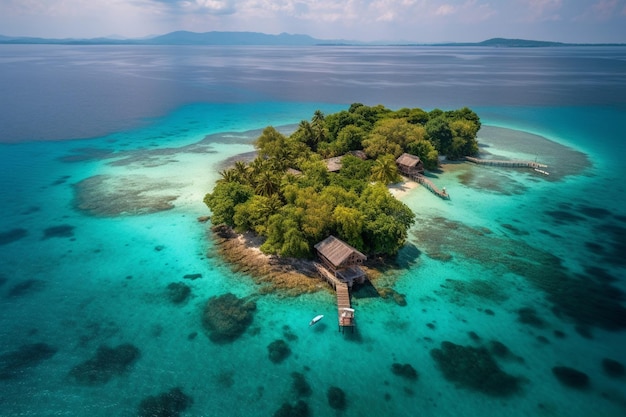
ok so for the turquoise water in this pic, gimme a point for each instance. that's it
(94, 230)
(103, 279)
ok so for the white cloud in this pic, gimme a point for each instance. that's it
(543, 9)
(603, 9)
(445, 9)
(418, 20)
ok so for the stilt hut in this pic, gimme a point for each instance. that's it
(341, 259)
(410, 165)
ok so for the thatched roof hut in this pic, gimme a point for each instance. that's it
(410, 164)
(341, 258)
(333, 164)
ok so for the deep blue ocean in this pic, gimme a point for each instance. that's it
(515, 288)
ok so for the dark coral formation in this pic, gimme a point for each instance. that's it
(278, 351)
(14, 364)
(300, 385)
(289, 334)
(499, 349)
(588, 299)
(336, 398)
(192, 276)
(105, 364)
(404, 370)
(62, 230)
(25, 287)
(474, 368)
(12, 235)
(225, 378)
(528, 315)
(613, 368)
(474, 336)
(227, 317)
(458, 291)
(109, 195)
(166, 404)
(177, 292)
(61, 180)
(390, 293)
(571, 377)
(299, 409)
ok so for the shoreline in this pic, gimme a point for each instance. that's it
(403, 188)
(291, 277)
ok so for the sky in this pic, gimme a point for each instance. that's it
(423, 21)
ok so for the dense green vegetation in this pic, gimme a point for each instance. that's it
(294, 210)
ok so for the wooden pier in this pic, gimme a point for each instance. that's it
(430, 186)
(511, 164)
(345, 312)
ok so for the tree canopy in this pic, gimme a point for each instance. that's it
(287, 195)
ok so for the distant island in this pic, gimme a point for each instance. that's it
(256, 38)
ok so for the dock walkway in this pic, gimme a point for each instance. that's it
(513, 163)
(345, 313)
(421, 179)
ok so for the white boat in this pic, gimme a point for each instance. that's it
(316, 319)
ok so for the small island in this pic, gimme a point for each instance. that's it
(330, 178)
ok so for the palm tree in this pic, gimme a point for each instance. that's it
(385, 170)
(318, 124)
(307, 135)
(267, 183)
(242, 172)
(228, 175)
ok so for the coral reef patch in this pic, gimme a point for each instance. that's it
(13, 364)
(390, 293)
(278, 351)
(300, 385)
(586, 299)
(25, 287)
(192, 276)
(12, 235)
(571, 377)
(177, 292)
(405, 371)
(528, 315)
(336, 398)
(299, 409)
(458, 291)
(166, 404)
(226, 317)
(62, 230)
(475, 369)
(613, 368)
(109, 196)
(105, 364)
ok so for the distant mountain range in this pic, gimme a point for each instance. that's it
(256, 38)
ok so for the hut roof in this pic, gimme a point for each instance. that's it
(337, 251)
(294, 172)
(333, 164)
(359, 154)
(408, 160)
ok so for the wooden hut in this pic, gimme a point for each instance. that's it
(410, 165)
(341, 259)
(333, 164)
